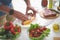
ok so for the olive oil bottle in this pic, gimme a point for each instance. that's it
(50, 4)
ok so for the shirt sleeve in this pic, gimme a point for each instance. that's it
(0, 3)
(1, 13)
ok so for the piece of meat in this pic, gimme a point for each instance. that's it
(48, 13)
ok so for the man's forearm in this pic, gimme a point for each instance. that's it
(4, 8)
(27, 2)
(16, 14)
(20, 16)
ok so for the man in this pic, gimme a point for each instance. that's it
(5, 5)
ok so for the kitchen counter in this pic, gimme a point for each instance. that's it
(44, 22)
(48, 24)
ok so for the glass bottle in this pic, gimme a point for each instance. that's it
(44, 3)
(50, 4)
(59, 6)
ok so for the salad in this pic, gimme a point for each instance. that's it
(37, 32)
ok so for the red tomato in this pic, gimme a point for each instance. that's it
(44, 28)
(19, 29)
(8, 25)
(39, 31)
(31, 35)
(32, 31)
(12, 31)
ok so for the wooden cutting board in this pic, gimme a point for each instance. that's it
(56, 38)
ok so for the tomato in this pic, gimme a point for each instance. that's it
(44, 28)
(41, 29)
(32, 31)
(12, 31)
(15, 30)
(8, 25)
(19, 29)
(38, 30)
(31, 35)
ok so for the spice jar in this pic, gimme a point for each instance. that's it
(56, 27)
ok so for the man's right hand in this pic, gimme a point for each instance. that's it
(16, 14)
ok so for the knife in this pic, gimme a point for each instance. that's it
(55, 11)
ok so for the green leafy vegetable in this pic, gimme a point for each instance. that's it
(33, 26)
(42, 36)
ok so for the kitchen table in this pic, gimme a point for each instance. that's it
(18, 5)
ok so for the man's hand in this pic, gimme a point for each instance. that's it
(31, 8)
(16, 14)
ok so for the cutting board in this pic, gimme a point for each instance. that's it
(56, 38)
